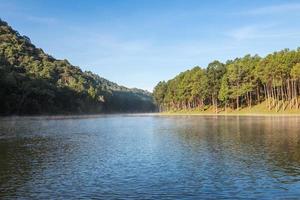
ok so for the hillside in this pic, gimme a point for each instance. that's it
(237, 85)
(33, 82)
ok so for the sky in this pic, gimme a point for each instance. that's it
(137, 43)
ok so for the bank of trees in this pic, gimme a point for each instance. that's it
(242, 82)
(33, 82)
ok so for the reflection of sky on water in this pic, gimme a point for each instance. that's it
(149, 156)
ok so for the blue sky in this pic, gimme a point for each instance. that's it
(137, 43)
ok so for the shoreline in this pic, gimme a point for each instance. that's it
(256, 110)
(79, 116)
(231, 114)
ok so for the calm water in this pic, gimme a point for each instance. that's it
(149, 157)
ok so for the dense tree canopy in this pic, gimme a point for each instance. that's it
(33, 82)
(242, 82)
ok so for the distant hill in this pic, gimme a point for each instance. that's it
(33, 82)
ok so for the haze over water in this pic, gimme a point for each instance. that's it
(149, 157)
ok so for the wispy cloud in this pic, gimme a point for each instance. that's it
(42, 20)
(249, 32)
(274, 9)
(15, 11)
(245, 32)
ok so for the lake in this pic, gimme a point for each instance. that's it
(149, 157)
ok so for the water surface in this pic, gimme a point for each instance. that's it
(149, 157)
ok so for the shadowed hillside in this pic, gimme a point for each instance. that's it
(33, 82)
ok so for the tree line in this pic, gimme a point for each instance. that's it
(33, 82)
(242, 82)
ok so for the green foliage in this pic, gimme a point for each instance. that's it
(295, 72)
(198, 84)
(224, 90)
(240, 82)
(33, 82)
(215, 71)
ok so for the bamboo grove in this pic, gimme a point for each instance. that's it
(239, 83)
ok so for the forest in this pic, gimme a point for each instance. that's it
(240, 83)
(33, 82)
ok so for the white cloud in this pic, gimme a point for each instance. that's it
(38, 19)
(245, 32)
(274, 9)
(249, 32)
(11, 10)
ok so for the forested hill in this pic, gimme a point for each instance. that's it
(239, 83)
(33, 82)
